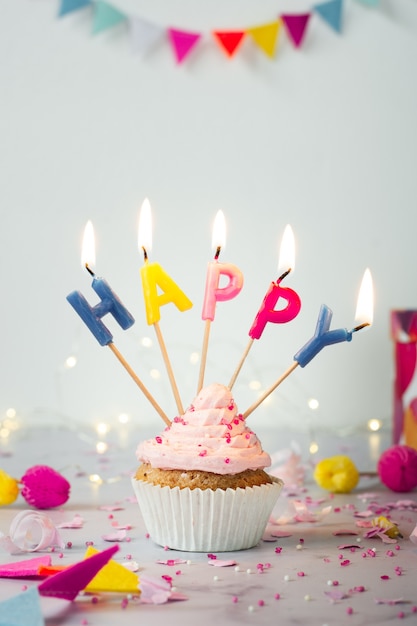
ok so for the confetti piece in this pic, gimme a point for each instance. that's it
(118, 536)
(389, 601)
(113, 507)
(342, 532)
(158, 591)
(335, 594)
(348, 546)
(280, 534)
(172, 562)
(21, 569)
(76, 522)
(222, 563)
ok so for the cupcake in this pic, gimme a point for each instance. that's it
(201, 484)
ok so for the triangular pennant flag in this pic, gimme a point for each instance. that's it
(69, 582)
(21, 569)
(112, 577)
(266, 36)
(296, 26)
(331, 12)
(182, 42)
(106, 16)
(68, 6)
(22, 609)
(229, 41)
(144, 35)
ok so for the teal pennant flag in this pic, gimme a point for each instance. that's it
(68, 6)
(22, 609)
(331, 12)
(106, 16)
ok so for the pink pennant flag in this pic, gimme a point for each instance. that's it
(296, 26)
(70, 581)
(182, 42)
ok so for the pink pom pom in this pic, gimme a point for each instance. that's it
(397, 468)
(44, 488)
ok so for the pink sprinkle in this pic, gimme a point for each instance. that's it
(212, 556)
(359, 588)
(147, 535)
(340, 557)
(229, 426)
(337, 509)
(384, 577)
(261, 603)
(301, 540)
(277, 596)
(335, 583)
(158, 439)
(167, 578)
(203, 453)
(260, 567)
(389, 553)
(69, 544)
(110, 516)
(227, 460)
(84, 622)
(235, 599)
(89, 543)
(247, 436)
(24, 587)
(278, 550)
(397, 547)
(414, 609)
(94, 600)
(345, 562)
(231, 406)
(364, 555)
(178, 572)
(301, 574)
(349, 610)
(401, 614)
(124, 603)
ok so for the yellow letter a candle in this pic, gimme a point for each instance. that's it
(154, 277)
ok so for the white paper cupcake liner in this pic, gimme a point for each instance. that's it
(195, 520)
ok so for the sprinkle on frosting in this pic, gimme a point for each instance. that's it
(212, 422)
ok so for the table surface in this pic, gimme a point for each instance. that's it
(317, 580)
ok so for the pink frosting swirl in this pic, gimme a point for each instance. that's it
(211, 436)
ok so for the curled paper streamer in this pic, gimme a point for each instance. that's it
(31, 531)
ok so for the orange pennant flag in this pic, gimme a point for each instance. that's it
(229, 41)
(266, 36)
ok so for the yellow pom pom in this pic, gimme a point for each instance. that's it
(9, 489)
(337, 474)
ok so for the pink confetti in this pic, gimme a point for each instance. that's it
(157, 591)
(21, 569)
(222, 563)
(76, 522)
(335, 594)
(344, 532)
(389, 601)
(111, 507)
(118, 536)
(171, 562)
(280, 533)
(345, 563)
(349, 546)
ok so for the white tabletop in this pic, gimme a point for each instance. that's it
(310, 573)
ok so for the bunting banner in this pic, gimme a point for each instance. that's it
(146, 35)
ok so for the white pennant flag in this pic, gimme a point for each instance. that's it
(144, 35)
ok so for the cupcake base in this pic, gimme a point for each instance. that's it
(206, 520)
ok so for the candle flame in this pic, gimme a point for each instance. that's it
(365, 305)
(287, 251)
(145, 227)
(88, 251)
(218, 240)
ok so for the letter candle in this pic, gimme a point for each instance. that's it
(213, 292)
(324, 337)
(153, 276)
(109, 303)
(267, 312)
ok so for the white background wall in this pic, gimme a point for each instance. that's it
(324, 138)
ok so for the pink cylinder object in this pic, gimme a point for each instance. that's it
(214, 293)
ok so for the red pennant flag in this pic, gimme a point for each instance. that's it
(182, 42)
(296, 26)
(229, 41)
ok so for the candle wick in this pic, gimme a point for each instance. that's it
(90, 271)
(145, 254)
(216, 256)
(284, 275)
(364, 325)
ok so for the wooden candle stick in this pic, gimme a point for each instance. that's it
(139, 383)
